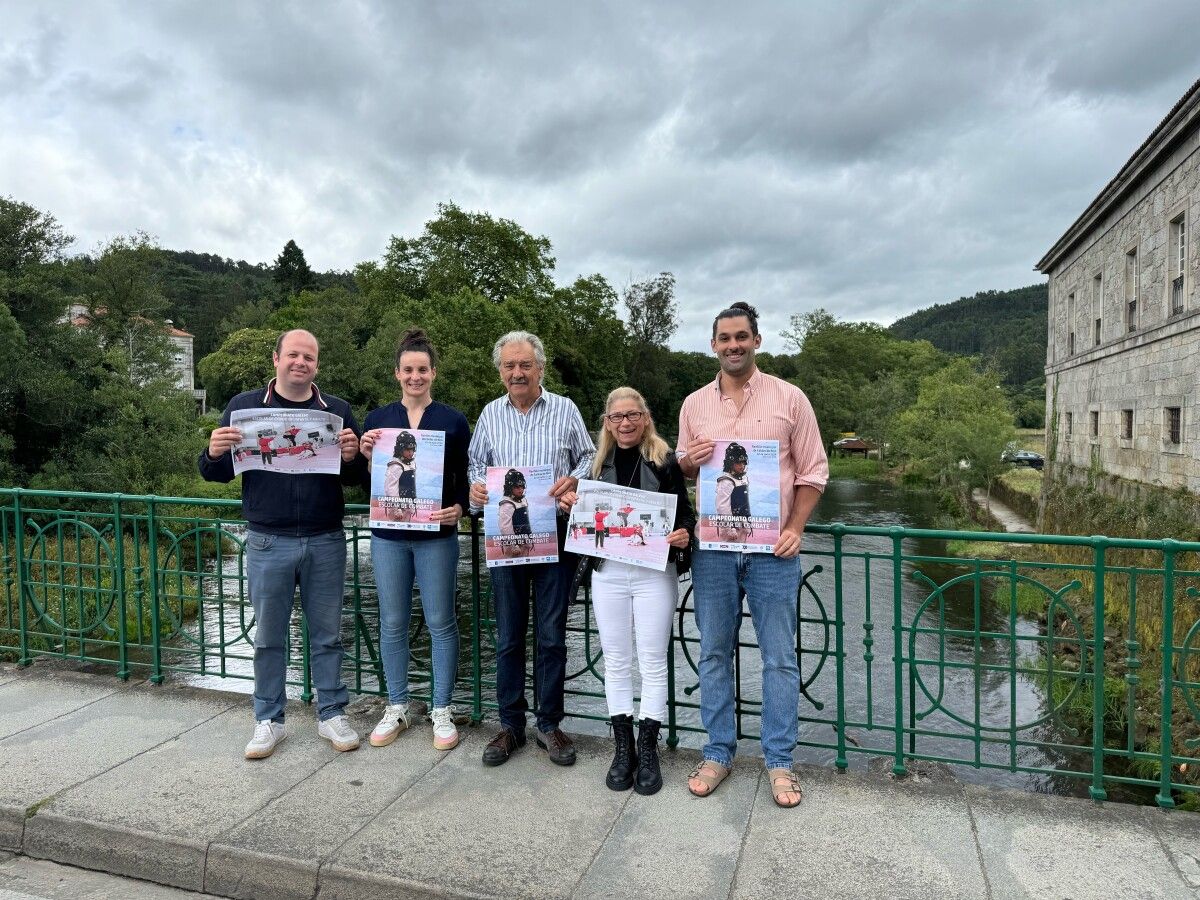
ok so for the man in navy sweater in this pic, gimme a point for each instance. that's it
(294, 538)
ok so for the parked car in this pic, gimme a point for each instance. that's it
(1024, 458)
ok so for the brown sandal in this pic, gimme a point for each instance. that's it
(708, 773)
(785, 781)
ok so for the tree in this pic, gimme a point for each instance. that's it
(28, 236)
(461, 250)
(126, 307)
(804, 324)
(652, 310)
(292, 273)
(242, 362)
(959, 426)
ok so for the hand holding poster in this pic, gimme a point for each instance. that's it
(738, 495)
(287, 441)
(407, 468)
(520, 520)
(613, 522)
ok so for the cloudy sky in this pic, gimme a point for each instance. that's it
(868, 157)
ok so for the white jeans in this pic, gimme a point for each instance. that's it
(625, 599)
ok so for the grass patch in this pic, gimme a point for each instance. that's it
(854, 467)
(1024, 480)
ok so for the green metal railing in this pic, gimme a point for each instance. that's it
(1075, 659)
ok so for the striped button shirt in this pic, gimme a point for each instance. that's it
(552, 433)
(771, 409)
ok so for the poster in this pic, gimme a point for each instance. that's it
(287, 441)
(738, 496)
(520, 523)
(407, 468)
(613, 522)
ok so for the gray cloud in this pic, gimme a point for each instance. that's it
(871, 158)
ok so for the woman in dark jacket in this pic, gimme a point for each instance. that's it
(628, 599)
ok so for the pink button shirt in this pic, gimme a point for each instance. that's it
(771, 409)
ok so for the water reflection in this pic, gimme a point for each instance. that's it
(953, 681)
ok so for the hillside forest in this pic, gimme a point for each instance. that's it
(92, 403)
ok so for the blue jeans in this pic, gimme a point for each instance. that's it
(275, 566)
(434, 565)
(771, 585)
(510, 602)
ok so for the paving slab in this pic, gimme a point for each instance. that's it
(859, 836)
(33, 699)
(527, 828)
(277, 851)
(1179, 833)
(189, 790)
(46, 759)
(1053, 847)
(657, 839)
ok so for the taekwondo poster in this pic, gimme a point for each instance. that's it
(287, 441)
(738, 496)
(621, 523)
(407, 468)
(520, 522)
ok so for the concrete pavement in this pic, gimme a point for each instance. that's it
(149, 782)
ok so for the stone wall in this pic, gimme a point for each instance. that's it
(1147, 370)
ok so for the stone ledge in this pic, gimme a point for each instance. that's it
(171, 860)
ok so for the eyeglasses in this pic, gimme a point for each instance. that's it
(634, 417)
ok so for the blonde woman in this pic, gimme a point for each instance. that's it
(629, 600)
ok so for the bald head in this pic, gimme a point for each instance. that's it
(309, 334)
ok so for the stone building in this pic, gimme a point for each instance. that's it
(1123, 343)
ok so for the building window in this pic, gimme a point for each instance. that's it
(1095, 422)
(1174, 425)
(1177, 258)
(1097, 305)
(1127, 424)
(1067, 422)
(1071, 324)
(1096, 330)
(1131, 290)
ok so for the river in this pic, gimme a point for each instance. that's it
(869, 686)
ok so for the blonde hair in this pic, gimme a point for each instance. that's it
(653, 447)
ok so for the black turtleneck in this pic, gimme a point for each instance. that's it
(625, 461)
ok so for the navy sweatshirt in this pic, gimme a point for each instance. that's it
(455, 487)
(297, 505)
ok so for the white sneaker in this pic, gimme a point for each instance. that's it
(339, 733)
(267, 735)
(445, 735)
(394, 721)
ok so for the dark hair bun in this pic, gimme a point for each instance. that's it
(746, 308)
(415, 340)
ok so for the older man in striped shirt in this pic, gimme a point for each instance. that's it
(746, 404)
(530, 426)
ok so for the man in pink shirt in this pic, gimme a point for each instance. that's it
(743, 403)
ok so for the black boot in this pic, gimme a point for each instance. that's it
(649, 778)
(620, 776)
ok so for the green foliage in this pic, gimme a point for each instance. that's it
(89, 405)
(292, 273)
(465, 250)
(857, 376)
(958, 428)
(856, 467)
(243, 362)
(28, 237)
(1007, 329)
